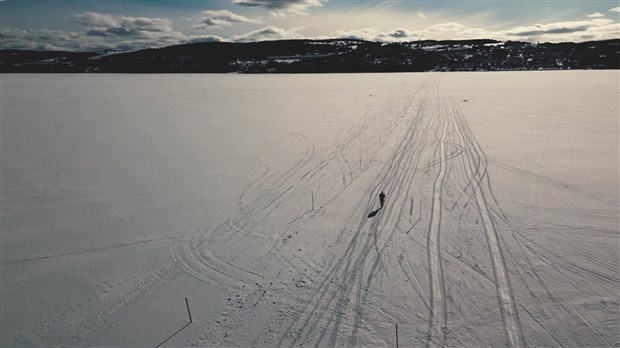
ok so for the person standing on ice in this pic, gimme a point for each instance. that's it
(382, 198)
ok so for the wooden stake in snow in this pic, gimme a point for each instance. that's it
(179, 330)
(396, 335)
(312, 195)
(188, 312)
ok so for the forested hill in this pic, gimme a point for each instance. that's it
(323, 56)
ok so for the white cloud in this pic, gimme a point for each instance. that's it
(104, 31)
(267, 34)
(277, 14)
(596, 15)
(204, 38)
(282, 8)
(476, 33)
(615, 9)
(220, 18)
(568, 31)
(368, 34)
(421, 15)
(443, 28)
(575, 31)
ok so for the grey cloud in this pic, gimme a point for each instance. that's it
(280, 8)
(92, 19)
(45, 39)
(400, 33)
(549, 31)
(373, 34)
(555, 28)
(145, 24)
(277, 4)
(102, 31)
(223, 18)
(105, 25)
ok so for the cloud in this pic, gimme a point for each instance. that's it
(267, 34)
(374, 34)
(50, 40)
(443, 28)
(568, 31)
(546, 30)
(100, 31)
(98, 24)
(104, 31)
(367, 34)
(477, 33)
(596, 15)
(278, 4)
(399, 35)
(615, 9)
(204, 38)
(421, 15)
(92, 19)
(575, 31)
(220, 18)
(281, 8)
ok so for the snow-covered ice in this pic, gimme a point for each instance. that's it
(123, 194)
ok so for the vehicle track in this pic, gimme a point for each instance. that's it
(423, 143)
(558, 184)
(330, 298)
(508, 310)
(438, 320)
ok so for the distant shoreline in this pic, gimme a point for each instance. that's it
(327, 56)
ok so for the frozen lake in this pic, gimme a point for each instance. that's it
(256, 197)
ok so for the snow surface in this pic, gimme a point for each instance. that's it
(124, 194)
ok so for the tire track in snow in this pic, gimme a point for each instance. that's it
(397, 175)
(438, 313)
(86, 325)
(413, 280)
(558, 184)
(397, 178)
(508, 310)
(193, 252)
(115, 246)
(329, 304)
(543, 148)
(403, 168)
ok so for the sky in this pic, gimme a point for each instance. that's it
(86, 25)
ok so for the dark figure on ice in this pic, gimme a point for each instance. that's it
(382, 201)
